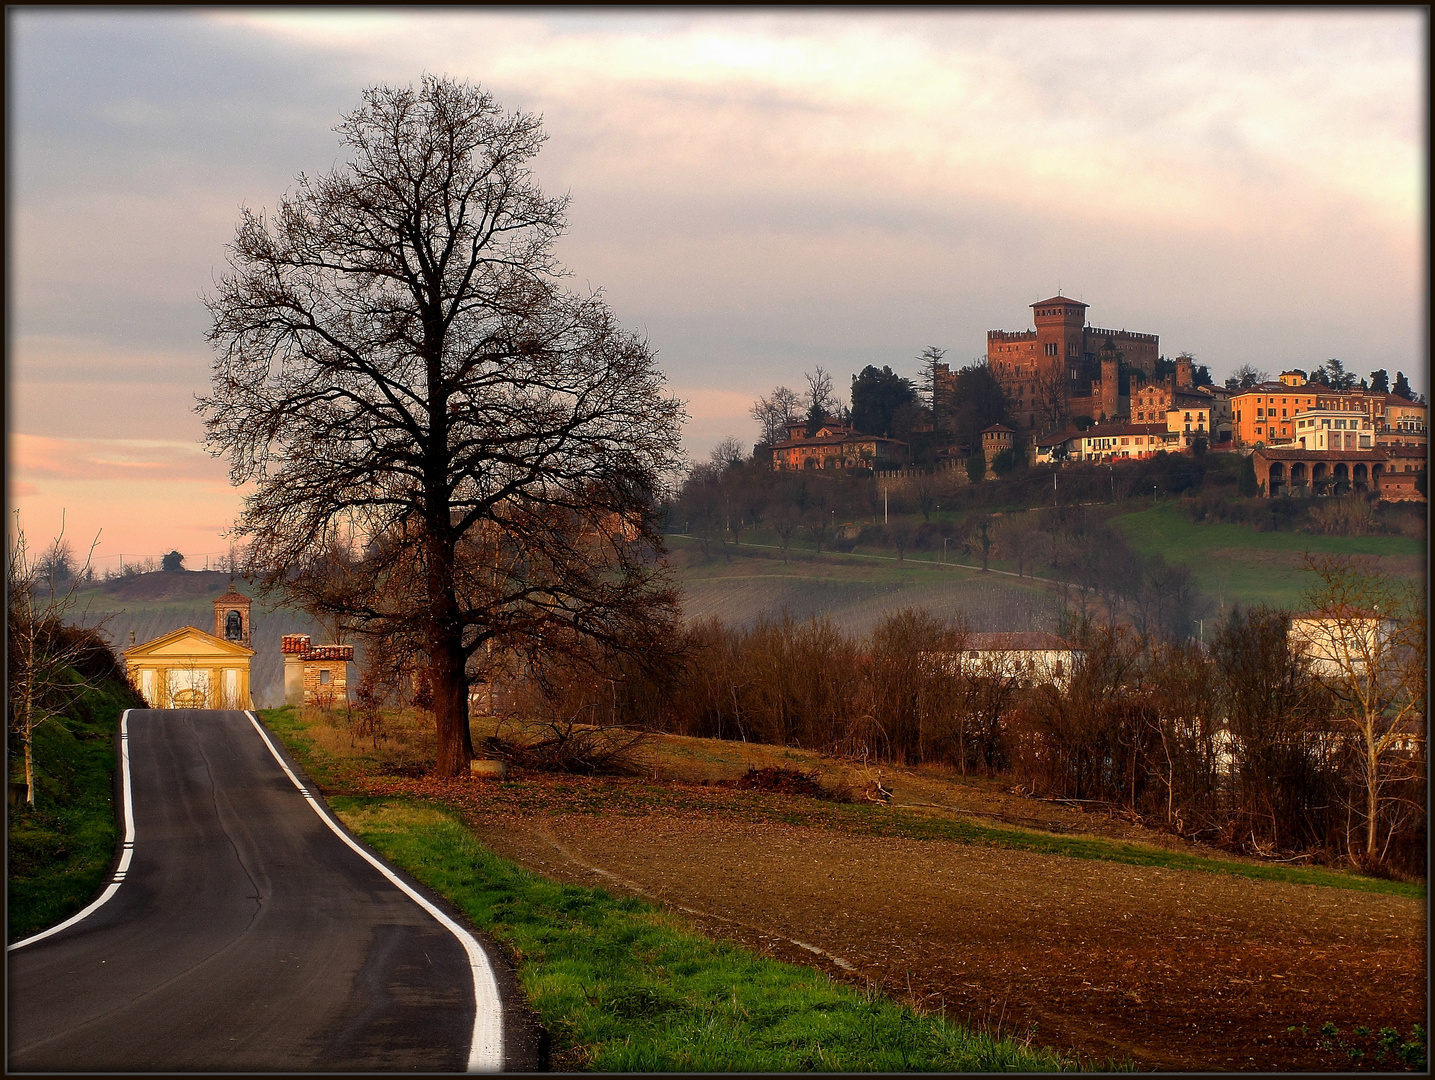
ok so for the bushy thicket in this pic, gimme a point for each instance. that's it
(1233, 743)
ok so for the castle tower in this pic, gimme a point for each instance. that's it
(1110, 380)
(1060, 326)
(231, 617)
(1185, 372)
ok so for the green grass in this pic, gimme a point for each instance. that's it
(60, 849)
(1237, 564)
(623, 986)
(909, 825)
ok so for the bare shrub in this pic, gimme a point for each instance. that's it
(565, 746)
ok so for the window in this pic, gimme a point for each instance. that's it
(325, 677)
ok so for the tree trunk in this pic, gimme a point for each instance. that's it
(446, 662)
(1372, 797)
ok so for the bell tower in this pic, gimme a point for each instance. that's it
(1060, 332)
(231, 617)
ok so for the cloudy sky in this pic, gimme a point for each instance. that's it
(759, 192)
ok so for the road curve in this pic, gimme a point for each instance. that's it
(245, 932)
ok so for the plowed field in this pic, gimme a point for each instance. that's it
(1167, 969)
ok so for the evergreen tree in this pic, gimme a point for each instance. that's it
(876, 395)
(1402, 387)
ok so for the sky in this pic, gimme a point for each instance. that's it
(758, 192)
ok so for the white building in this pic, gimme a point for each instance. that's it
(1341, 642)
(1333, 429)
(1032, 657)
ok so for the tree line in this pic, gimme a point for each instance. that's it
(1250, 740)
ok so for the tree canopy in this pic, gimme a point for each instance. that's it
(444, 443)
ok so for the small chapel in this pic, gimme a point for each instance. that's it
(190, 668)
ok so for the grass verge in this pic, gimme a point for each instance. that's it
(60, 849)
(909, 825)
(623, 986)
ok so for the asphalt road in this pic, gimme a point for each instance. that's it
(246, 934)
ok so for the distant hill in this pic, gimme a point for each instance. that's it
(855, 593)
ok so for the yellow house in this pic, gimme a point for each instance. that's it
(189, 669)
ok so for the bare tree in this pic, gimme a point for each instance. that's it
(821, 400)
(775, 412)
(1245, 377)
(726, 453)
(43, 653)
(785, 521)
(1364, 639)
(1016, 538)
(1049, 402)
(1272, 730)
(981, 537)
(396, 359)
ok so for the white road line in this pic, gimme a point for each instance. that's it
(485, 1051)
(127, 852)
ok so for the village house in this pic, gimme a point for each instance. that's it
(1265, 413)
(1033, 658)
(1057, 447)
(315, 674)
(1195, 419)
(1341, 641)
(835, 446)
(1334, 429)
(1117, 442)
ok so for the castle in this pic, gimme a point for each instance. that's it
(1065, 369)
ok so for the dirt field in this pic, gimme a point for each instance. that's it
(1166, 969)
(1169, 969)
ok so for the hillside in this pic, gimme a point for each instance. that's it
(1235, 564)
(856, 591)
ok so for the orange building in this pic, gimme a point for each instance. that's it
(1265, 413)
(315, 674)
(835, 446)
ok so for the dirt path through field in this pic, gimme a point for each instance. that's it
(1171, 969)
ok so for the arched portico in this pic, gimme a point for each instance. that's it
(1278, 479)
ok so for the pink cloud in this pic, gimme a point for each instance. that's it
(111, 459)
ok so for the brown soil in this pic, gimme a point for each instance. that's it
(1166, 969)
(1169, 969)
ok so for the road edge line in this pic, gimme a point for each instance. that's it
(485, 1053)
(117, 877)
